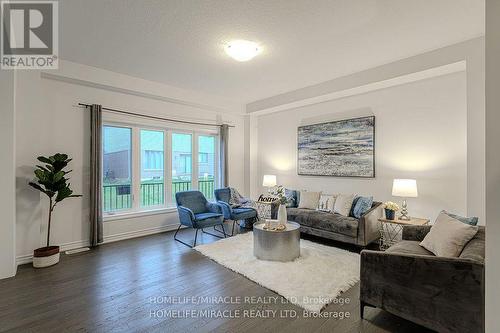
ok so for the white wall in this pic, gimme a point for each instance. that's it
(492, 165)
(470, 52)
(420, 133)
(7, 174)
(48, 121)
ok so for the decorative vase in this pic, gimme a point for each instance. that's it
(282, 217)
(46, 256)
(390, 214)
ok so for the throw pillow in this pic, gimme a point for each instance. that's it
(326, 203)
(361, 206)
(343, 204)
(309, 200)
(291, 197)
(469, 220)
(448, 236)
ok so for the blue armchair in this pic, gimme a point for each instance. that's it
(222, 196)
(196, 212)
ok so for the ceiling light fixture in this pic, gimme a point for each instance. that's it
(242, 50)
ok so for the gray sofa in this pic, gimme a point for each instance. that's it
(443, 294)
(347, 229)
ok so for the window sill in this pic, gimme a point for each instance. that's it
(131, 215)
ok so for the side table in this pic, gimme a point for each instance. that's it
(390, 229)
(264, 209)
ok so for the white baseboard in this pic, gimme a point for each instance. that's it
(139, 233)
(28, 258)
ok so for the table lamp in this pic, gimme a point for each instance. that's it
(405, 188)
(269, 181)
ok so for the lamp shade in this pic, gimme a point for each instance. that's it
(406, 188)
(269, 181)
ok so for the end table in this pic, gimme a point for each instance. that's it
(264, 208)
(390, 229)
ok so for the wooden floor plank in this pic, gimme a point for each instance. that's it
(116, 288)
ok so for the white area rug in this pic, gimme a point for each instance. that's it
(312, 281)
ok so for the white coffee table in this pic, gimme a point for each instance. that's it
(276, 245)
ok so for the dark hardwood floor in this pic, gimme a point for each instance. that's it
(125, 287)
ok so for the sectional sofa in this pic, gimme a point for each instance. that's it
(348, 229)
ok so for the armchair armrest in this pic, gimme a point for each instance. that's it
(186, 216)
(445, 294)
(415, 232)
(368, 225)
(226, 209)
(214, 208)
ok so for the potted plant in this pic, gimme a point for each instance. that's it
(390, 210)
(51, 180)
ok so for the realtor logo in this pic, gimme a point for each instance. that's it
(29, 32)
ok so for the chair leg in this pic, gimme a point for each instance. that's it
(209, 233)
(223, 231)
(362, 308)
(180, 241)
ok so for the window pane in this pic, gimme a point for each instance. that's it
(181, 162)
(152, 180)
(117, 173)
(206, 165)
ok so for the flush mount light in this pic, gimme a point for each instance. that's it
(242, 50)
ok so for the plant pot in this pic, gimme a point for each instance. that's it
(45, 256)
(390, 214)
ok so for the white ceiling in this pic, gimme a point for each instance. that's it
(179, 42)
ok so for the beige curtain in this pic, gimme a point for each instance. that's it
(224, 149)
(95, 174)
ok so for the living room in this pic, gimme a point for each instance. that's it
(233, 166)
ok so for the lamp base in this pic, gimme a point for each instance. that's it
(404, 212)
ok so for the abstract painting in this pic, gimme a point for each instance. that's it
(344, 148)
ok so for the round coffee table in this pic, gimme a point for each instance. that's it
(276, 245)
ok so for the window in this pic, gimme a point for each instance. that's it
(206, 165)
(152, 173)
(153, 160)
(116, 162)
(143, 167)
(181, 162)
(203, 158)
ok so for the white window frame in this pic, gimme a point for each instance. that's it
(136, 125)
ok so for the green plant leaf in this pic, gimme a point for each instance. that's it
(58, 176)
(51, 177)
(42, 175)
(63, 194)
(49, 193)
(44, 159)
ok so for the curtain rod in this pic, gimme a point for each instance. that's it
(155, 117)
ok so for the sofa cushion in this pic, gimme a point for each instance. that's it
(448, 236)
(326, 202)
(291, 198)
(409, 247)
(309, 200)
(343, 204)
(469, 220)
(474, 250)
(325, 221)
(361, 205)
